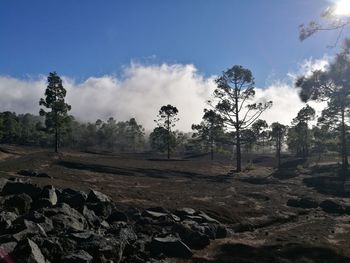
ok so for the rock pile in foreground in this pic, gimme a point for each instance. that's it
(44, 225)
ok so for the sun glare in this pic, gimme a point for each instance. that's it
(342, 8)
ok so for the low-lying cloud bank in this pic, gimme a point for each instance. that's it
(142, 90)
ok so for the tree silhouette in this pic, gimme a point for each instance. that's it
(209, 130)
(299, 136)
(278, 132)
(332, 86)
(233, 95)
(57, 117)
(167, 119)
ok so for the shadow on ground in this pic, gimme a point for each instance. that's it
(241, 253)
(155, 173)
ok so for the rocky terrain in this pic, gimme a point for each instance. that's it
(144, 209)
(51, 225)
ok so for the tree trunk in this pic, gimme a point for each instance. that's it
(211, 147)
(238, 139)
(56, 140)
(344, 142)
(279, 146)
(168, 138)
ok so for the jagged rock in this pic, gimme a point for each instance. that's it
(24, 228)
(103, 247)
(49, 193)
(304, 202)
(78, 257)
(41, 203)
(154, 214)
(16, 188)
(66, 218)
(123, 231)
(170, 246)
(52, 249)
(18, 203)
(221, 231)
(96, 197)
(28, 251)
(133, 213)
(183, 212)
(91, 217)
(3, 182)
(331, 206)
(117, 216)
(102, 209)
(6, 219)
(40, 219)
(192, 238)
(75, 199)
(81, 236)
(175, 218)
(207, 218)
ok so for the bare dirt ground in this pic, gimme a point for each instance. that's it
(252, 204)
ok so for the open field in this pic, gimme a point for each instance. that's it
(253, 204)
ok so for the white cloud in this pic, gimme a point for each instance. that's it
(143, 89)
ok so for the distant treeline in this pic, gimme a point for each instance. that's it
(28, 129)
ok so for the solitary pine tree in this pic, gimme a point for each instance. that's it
(234, 94)
(167, 119)
(57, 116)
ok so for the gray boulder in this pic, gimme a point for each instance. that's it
(170, 246)
(28, 251)
(96, 197)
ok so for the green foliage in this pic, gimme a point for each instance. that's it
(166, 120)
(278, 132)
(300, 136)
(332, 85)
(160, 140)
(234, 103)
(209, 131)
(56, 119)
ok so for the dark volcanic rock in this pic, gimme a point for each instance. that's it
(32, 173)
(102, 209)
(331, 206)
(6, 219)
(69, 226)
(170, 246)
(75, 199)
(106, 247)
(95, 196)
(28, 251)
(19, 203)
(66, 218)
(117, 216)
(78, 257)
(304, 202)
(15, 188)
(27, 173)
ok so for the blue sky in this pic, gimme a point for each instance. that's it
(86, 38)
